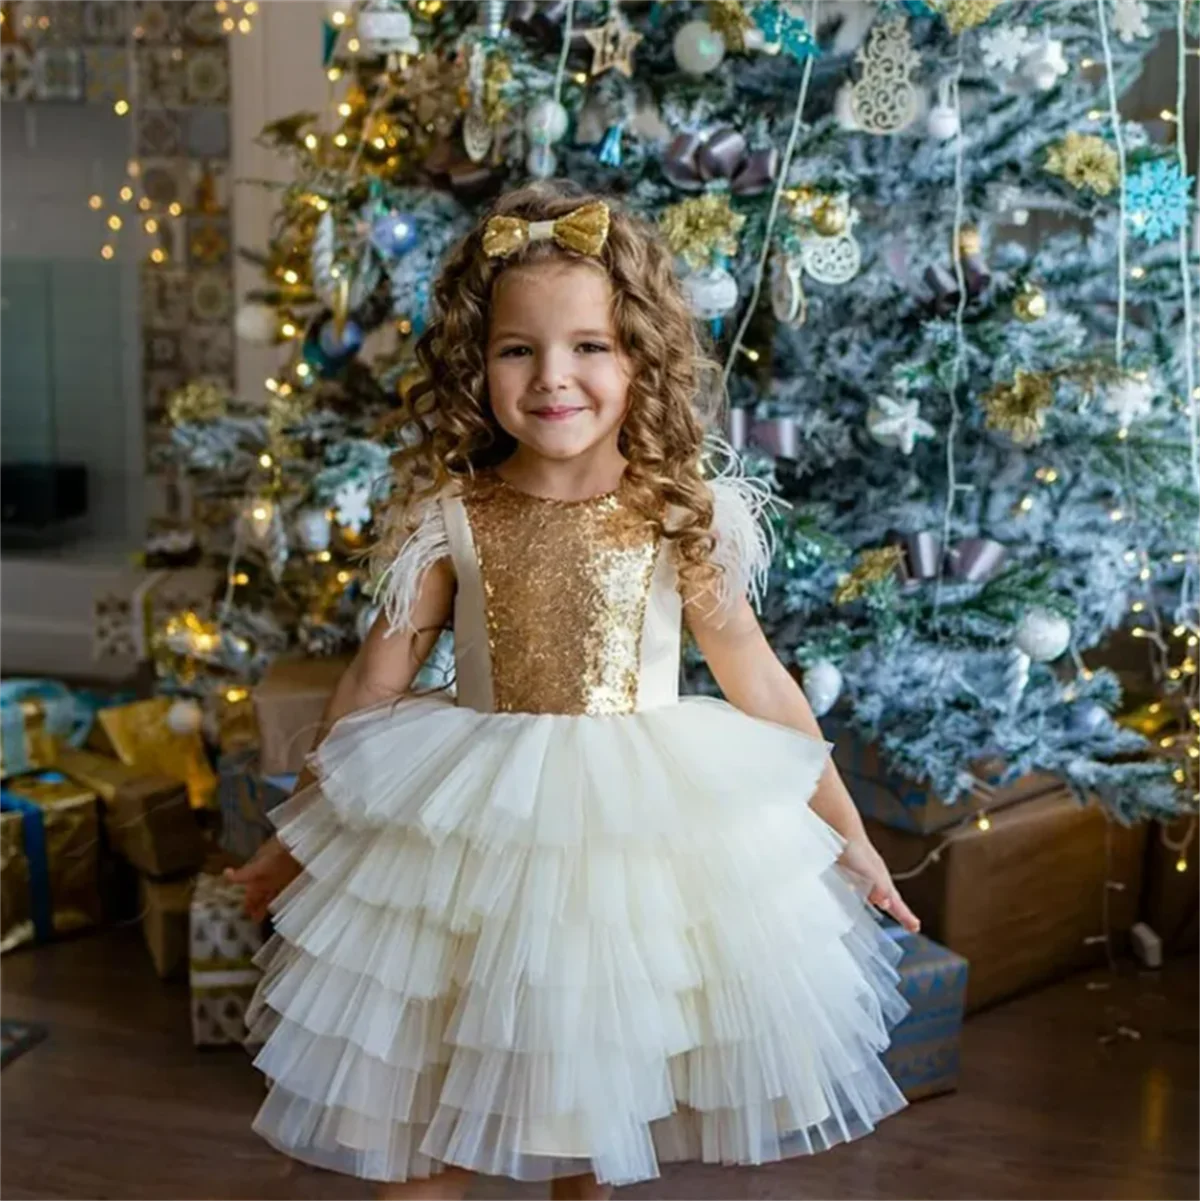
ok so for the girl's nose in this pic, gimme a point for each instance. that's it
(552, 371)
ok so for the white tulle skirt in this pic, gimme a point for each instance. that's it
(541, 945)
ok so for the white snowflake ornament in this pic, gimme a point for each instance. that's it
(1043, 65)
(1129, 399)
(1003, 48)
(352, 505)
(1129, 19)
(898, 423)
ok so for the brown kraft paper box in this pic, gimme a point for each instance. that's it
(288, 705)
(1019, 899)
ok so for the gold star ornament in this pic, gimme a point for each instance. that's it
(612, 46)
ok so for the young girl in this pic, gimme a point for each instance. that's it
(567, 925)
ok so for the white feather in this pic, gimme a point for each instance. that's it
(399, 584)
(745, 542)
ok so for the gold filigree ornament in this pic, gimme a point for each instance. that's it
(1019, 409)
(884, 99)
(873, 567)
(1086, 162)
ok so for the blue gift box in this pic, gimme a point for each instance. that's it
(923, 1058)
(245, 797)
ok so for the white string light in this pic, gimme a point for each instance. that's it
(773, 214)
(1115, 116)
(960, 345)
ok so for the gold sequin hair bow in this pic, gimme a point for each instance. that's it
(583, 230)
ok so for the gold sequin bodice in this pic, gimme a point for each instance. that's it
(564, 607)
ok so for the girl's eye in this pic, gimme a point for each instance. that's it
(593, 347)
(511, 352)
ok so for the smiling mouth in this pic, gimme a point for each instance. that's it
(556, 412)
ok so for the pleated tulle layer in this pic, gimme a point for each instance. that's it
(538, 945)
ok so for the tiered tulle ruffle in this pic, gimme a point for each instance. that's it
(537, 945)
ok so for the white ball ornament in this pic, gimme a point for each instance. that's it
(314, 529)
(386, 31)
(1043, 635)
(184, 717)
(256, 323)
(942, 122)
(546, 122)
(711, 293)
(822, 686)
(541, 161)
(698, 48)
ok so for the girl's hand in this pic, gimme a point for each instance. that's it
(271, 870)
(860, 856)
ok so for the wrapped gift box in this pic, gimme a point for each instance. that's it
(222, 977)
(141, 738)
(53, 852)
(888, 797)
(26, 743)
(165, 910)
(289, 704)
(1018, 899)
(147, 817)
(924, 1054)
(1170, 902)
(245, 796)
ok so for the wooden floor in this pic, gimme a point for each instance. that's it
(116, 1103)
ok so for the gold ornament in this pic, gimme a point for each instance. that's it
(970, 241)
(873, 567)
(965, 14)
(702, 227)
(583, 230)
(435, 90)
(198, 401)
(612, 45)
(1030, 304)
(1085, 161)
(1019, 409)
(731, 21)
(829, 218)
(497, 74)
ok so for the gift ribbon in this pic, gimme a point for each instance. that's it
(971, 560)
(140, 609)
(693, 161)
(33, 833)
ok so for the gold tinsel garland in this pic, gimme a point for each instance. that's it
(731, 21)
(1085, 161)
(965, 14)
(873, 567)
(702, 227)
(200, 400)
(1019, 409)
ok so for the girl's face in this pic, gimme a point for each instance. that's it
(557, 379)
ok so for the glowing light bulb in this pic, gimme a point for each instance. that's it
(121, 107)
(984, 822)
(1181, 865)
(311, 141)
(241, 579)
(291, 277)
(106, 251)
(287, 329)
(114, 222)
(158, 255)
(175, 208)
(265, 460)
(95, 201)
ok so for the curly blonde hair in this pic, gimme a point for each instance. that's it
(450, 429)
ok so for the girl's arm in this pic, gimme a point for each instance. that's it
(753, 679)
(384, 668)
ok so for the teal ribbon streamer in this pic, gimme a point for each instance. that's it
(33, 832)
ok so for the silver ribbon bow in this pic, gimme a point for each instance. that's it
(971, 560)
(693, 162)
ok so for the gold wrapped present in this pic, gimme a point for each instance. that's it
(147, 816)
(16, 906)
(222, 944)
(141, 738)
(165, 906)
(26, 743)
(60, 836)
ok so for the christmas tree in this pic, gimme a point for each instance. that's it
(985, 440)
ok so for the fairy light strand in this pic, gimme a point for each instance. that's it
(561, 69)
(1119, 140)
(960, 345)
(772, 215)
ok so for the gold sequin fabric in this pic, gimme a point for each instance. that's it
(565, 587)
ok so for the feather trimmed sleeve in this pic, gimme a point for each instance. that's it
(745, 542)
(421, 534)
